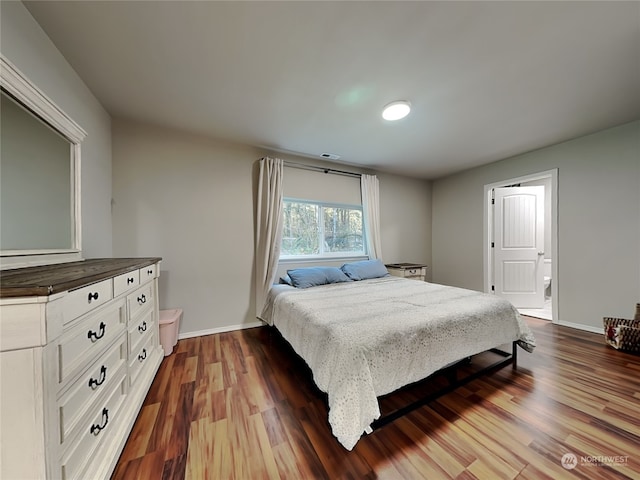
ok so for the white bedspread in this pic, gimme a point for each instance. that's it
(368, 338)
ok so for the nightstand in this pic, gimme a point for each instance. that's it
(413, 271)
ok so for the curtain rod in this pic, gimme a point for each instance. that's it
(304, 166)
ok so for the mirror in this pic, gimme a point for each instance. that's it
(39, 176)
(35, 181)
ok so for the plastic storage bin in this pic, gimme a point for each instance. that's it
(169, 326)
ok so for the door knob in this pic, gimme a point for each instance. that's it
(540, 253)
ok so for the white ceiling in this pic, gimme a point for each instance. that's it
(487, 80)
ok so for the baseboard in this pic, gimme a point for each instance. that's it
(228, 328)
(586, 328)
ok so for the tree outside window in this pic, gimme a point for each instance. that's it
(318, 229)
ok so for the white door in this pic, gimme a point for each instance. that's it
(518, 241)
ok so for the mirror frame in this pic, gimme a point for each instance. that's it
(22, 89)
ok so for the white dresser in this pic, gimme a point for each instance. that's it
(79, 351)
(414, 271)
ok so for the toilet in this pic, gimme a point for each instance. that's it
(547, 287)
(547, 277)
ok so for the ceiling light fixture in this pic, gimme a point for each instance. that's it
(396, 110)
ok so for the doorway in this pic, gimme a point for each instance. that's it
(538, 272)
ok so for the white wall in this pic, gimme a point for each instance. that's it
(24, 44)
(598, 214)
(190, 200)
(405, 220)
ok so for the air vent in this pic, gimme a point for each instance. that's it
(330, 156)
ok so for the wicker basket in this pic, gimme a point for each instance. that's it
(623, 334)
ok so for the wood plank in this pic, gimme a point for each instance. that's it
(46, 280)
(138, 441)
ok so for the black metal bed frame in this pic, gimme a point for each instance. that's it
(451, 374)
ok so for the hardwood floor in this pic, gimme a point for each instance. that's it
(242, 405)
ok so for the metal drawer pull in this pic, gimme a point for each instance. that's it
(149, 272)
(129, 280)
(142, 328)
(92, 296)
(96, 429)
(93, 383)
(143, 356)
(93, 336)
(142, 299)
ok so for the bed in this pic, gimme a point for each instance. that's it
(364, 339)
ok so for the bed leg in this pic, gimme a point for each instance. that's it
(514, 355)
(452, 376)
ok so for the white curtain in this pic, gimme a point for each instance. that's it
(369, 187)
(268, 227)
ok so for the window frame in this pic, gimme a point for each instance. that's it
(326, 255)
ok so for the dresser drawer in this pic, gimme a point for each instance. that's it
(81, 344)
(99, 378)
(126, 282)
(148, 273)
(140, 358)
(85, 299)
(140, 329)
(413, 272)
(140, 299)
(95, 426)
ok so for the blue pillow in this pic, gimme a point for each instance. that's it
(365, 269)
(312, 276)
(285, 280)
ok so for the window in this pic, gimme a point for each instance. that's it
(321, 230)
